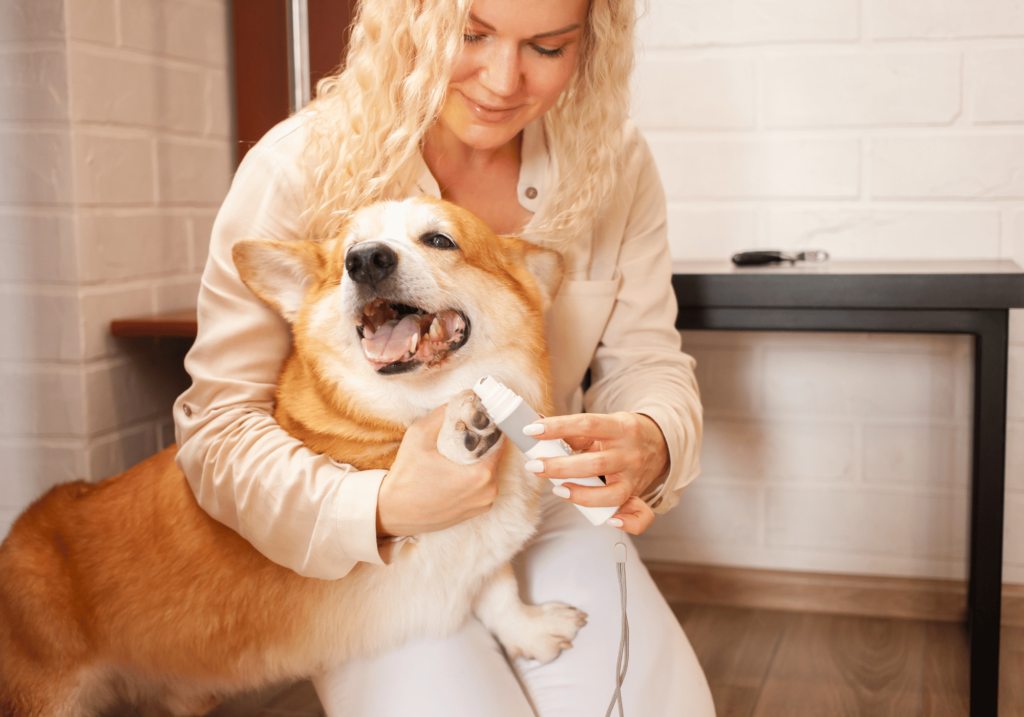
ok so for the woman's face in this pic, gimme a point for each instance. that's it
(517, 57)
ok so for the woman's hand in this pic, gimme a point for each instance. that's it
(424, 491)
(628, 449)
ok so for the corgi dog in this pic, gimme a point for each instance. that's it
(127, 590)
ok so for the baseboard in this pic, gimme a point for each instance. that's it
(1013, 605)
(909, 598)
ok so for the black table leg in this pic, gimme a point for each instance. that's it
(990, 329)
(987, 502)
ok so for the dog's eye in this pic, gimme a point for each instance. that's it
(438, 241)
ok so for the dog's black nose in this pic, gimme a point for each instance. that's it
(371, 263)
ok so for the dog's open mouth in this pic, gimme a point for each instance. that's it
(397, 337)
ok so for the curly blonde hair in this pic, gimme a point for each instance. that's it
(369, 119)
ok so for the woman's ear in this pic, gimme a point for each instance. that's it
(279, 273)
(547, 268)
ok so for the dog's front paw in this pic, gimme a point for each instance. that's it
(468, 433)
(543, 632)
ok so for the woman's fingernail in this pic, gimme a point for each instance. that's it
(534, 466)
(533, 429)
(561, 491)
(615, 522)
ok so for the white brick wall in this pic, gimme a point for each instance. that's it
(697, 23)
(944, 19)
(878, 88)
(114, 156)
(879, 129)
(885, 129)
(757, 168)
(839, 453)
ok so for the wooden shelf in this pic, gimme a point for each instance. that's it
(175, 323)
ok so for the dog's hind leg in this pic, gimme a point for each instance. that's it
(37, 678)
(538, 632)
(53, 694)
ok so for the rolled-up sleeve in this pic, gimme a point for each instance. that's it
(298, 508)
(638, 365)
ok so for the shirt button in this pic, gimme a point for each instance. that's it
(186, 409)
(531, 193)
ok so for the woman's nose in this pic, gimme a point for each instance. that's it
(502, 74)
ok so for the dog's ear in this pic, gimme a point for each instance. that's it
(547, 268)
(278, 272)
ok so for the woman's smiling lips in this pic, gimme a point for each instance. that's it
(488, 114)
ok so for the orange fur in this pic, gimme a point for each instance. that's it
(127, 589)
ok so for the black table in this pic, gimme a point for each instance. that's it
(897, 297)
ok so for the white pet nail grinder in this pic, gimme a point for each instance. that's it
(511, 413)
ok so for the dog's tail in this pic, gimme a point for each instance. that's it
(43, 646)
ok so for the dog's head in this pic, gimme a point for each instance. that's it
(415, 301)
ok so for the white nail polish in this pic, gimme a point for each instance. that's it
(534, 466)
(615, 522)
(533, 429)
(561, 491)
(511, 413)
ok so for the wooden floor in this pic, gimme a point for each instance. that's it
(766, 663)
(297, 700)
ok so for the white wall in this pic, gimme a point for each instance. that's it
(874, 129)
(870, 128)
(114, 155)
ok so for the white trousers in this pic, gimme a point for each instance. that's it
(467, 675)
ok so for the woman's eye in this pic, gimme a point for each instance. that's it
(549, 52)
(439, 241)
(470, 37)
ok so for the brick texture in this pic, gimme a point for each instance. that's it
(704, 94)
(31, 20)
(114, 156)
(996, 80)
(875, 130)
(945, 19)
(35, 168)
(702, 168)
(887, 129)
(33, 84)
(964, 166)
(879, 233)
(856, 89)
(688, 23)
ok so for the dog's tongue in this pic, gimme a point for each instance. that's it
(394, 340)
(424, 337)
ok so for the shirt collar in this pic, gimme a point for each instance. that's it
(533, 169)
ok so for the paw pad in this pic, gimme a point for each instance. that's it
(472, 430)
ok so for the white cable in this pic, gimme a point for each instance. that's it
(623, 661)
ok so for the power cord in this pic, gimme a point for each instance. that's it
(623, 661)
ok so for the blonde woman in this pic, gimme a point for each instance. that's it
(517, 111)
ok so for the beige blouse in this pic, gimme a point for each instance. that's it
(614, 313)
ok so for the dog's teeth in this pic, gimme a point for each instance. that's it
(435, 330)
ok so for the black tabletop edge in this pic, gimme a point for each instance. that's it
(974, 291)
